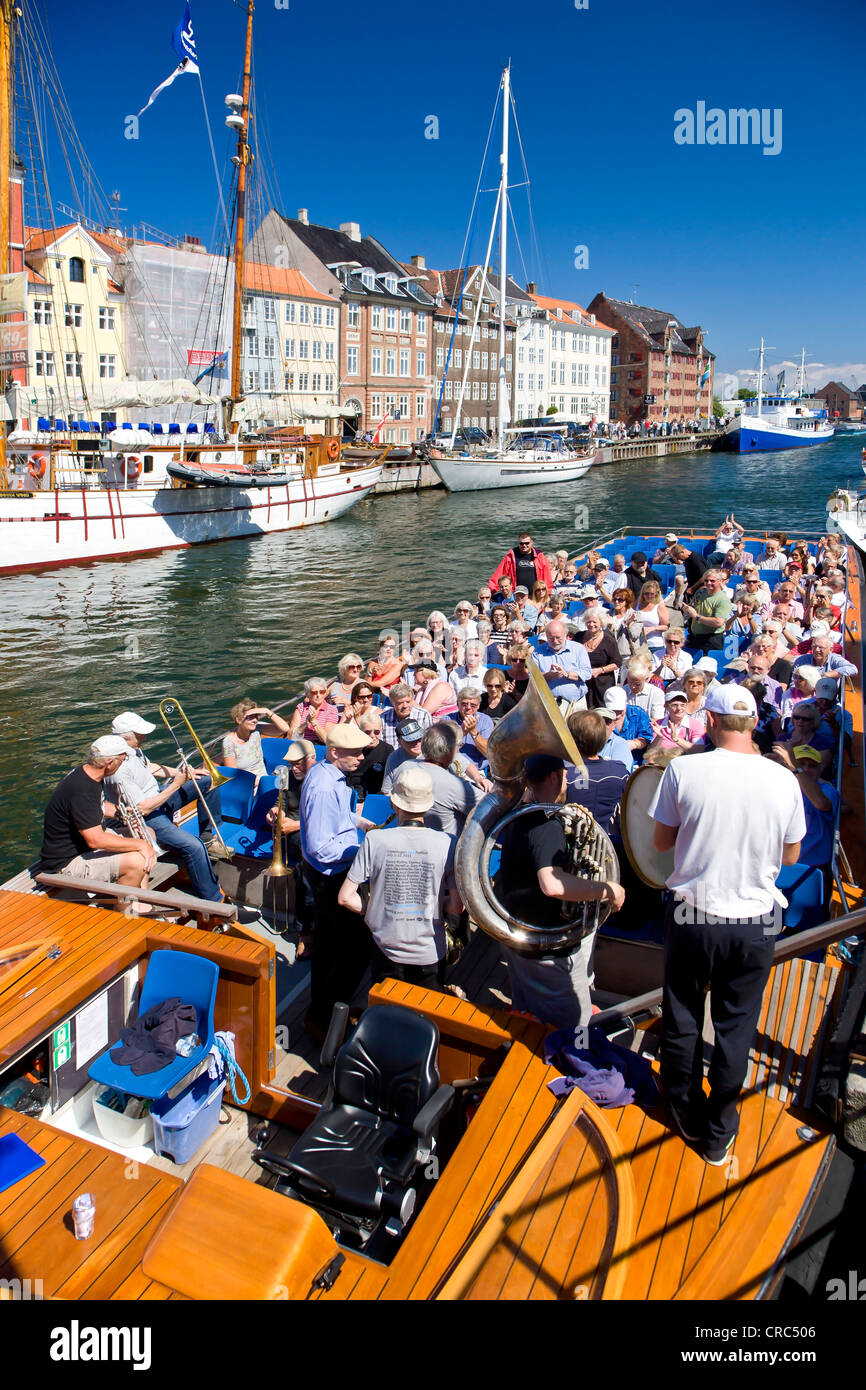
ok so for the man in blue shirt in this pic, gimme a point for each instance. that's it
(616, 748)
(329, 843)
(564, 665)
(476, 727)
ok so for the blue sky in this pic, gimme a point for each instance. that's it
(741, 242)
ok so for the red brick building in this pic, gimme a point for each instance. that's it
(843, 402)
(660, 370)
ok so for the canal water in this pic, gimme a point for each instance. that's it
(214, 623)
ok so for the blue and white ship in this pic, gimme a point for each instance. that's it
(777, 422)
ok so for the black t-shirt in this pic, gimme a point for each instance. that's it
(531, 843)
(371, 769)
(74, 805)
(505, 704)
(527, 574)
(635, 582)
(695, 567)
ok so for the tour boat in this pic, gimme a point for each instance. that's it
(504, 1190)
(71, 495)
(776, 422)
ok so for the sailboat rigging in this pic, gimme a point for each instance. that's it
(76, 489)
(537, 456)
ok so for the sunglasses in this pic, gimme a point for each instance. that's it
(495, 685)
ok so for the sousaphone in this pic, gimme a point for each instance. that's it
(535, 725)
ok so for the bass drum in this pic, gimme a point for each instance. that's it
(636, 826)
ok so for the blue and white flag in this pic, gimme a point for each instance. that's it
(183, 43)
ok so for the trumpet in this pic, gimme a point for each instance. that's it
(134, 820)
(278, 868)
(168, 707)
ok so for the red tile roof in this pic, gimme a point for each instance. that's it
(271, 279)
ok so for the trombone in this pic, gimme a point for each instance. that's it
(168, 707)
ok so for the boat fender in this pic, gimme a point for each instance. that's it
(133, 466)
(36, 467)
(332, 449)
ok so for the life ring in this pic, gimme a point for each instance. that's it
(36, 467)
(133, 466)
(332, 449)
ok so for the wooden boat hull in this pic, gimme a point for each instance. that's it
(48, 529)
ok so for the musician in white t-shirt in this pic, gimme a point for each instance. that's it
(733, 819)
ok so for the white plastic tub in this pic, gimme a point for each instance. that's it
(128, 1131)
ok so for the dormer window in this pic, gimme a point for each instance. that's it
(391, 284)
(368, 280)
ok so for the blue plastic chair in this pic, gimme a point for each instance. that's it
(194, 980)
(94, 426)
(192, 429)
(255, 838)
(274, 751)
(236, 795)
(210, 429)
(143, 425)
(377, 807)
(174, 428)
(126, 425)
(60, 425)
(321, 750)
(156, 428)
(109, 426)
(43, 423)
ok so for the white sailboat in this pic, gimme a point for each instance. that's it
(72, 496)
(519, 457)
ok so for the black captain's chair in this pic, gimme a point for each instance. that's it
(378, 1123)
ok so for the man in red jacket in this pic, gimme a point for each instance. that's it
(523, 565)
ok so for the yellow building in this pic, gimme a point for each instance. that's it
(77, 330)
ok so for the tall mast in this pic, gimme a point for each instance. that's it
(244, 157)
(760, 374)
(503, 238)
(6, 12)
(803, 374)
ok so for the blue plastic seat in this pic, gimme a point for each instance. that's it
(192, 428)
(321, 750)
(803, 886)
(255, 838)
(156, 428)
(194, 980)
(174, 428)
(236, 795)
(143, 425)
(126, 425)
(109, 426)
(377, 807)
(94, 426)
(274, 751)
(43, 423)
(60, 425)
(210, 429)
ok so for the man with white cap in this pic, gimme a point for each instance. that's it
(74, 842)
(663, 555)
(136, 777)
(329, 843)
(632, 722)
(721, 916)
(411, 887)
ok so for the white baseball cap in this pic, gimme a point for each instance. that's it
(731, 699)
(615, 698)
(129, 723)
(110, 746)
(707, 663)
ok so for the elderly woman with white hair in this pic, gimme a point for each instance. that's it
(439, 629)
(638, 688)
(313, 714)
(349, 670)
(802, 687)
(472, 670)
